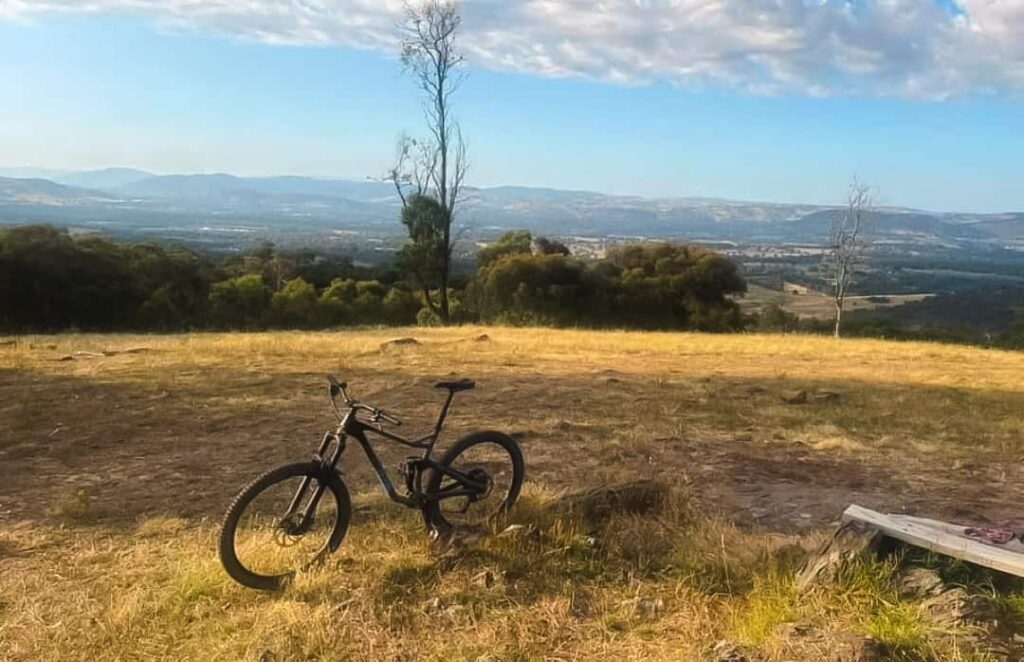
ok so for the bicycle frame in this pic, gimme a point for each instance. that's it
(352, 426)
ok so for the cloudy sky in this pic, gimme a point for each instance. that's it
(752, 99)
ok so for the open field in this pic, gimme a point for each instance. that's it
(810, 304)
(115, 467)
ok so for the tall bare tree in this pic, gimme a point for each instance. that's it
(435, 167)
(848, 239)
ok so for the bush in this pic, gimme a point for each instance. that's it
(774, 317)
(240, 303)
(294, 305)
(657, 286)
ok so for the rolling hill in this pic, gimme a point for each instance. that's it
(132, 198)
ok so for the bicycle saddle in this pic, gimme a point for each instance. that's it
(456, 385)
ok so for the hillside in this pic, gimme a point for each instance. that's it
(120, 453)
(132, 201)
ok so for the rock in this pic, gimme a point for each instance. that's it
(398, 342)
(826, 396)
(806, 642)
(644, 607)
(454, 610)
(514, 530)
(727, 650)
(956, 607)
(917, 582)
(794, 397)
(456, 539)
(483, 579)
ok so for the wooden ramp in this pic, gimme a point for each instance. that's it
(948, 539)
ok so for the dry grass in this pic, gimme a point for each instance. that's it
(114, 469)
(811, 304)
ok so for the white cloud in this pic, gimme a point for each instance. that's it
(913, 48)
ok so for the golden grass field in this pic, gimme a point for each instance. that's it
(115, 469)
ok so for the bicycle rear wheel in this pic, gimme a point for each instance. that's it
(490, 457)
(265, 540)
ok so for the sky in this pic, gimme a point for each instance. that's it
(773, 100)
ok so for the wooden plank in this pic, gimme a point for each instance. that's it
(943, 538)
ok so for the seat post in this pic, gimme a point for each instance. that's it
(444, 413)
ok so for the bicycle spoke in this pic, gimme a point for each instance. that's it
(491, 464)
(270, 541)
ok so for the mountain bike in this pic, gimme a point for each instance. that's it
(292, 517)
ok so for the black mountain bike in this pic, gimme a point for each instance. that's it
(292, 517)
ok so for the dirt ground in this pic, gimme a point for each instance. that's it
(176, 428)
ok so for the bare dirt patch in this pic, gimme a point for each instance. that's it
(176, 430)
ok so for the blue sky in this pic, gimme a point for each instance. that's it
(172, 94)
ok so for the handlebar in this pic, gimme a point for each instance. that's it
(376, 414)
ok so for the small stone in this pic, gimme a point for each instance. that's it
(806, 642)
(484, 579)
(794, 397)
(397, 342)
(727, 650)
(645, 607)
(513, 530)
(917, 582)
(454, 610)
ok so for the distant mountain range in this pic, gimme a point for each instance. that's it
(132, 201)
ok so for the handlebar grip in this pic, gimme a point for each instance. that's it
(389, 418)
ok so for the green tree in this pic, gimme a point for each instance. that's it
(294, 305)
(400, 306)
(546, 246)
(426, 255)
(435, 166)
(54, 281)
(514, 242)
(539, 289)
(240, 303)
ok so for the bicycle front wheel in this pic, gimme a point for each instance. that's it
(282, 523)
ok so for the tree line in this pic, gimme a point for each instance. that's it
(52, 279)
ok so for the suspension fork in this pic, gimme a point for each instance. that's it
(326, 466)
